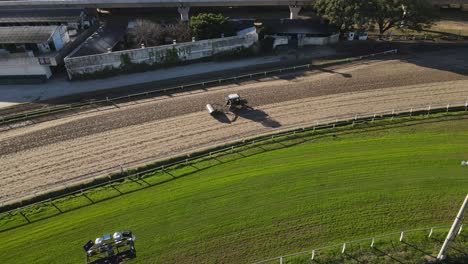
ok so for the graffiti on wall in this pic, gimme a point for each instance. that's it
(157, 55)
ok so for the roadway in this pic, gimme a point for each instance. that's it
(79, 147)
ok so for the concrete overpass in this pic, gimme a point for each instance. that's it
(146, 3)
(182, 5)
(165, 3)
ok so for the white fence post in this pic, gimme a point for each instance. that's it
(343, 249)
(448, 106)
(466, 106)
(281, 260)
(402, 236)
(372, 243)
(430, 233)
(313, 255)
(451, 233)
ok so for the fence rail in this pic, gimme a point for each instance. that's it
(110, 101)
(256, 138)
(405, 37)
(371, 240)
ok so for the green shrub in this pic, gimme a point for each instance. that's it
(125, 59)
(210, 26)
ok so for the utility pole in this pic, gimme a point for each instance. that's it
(451, 234)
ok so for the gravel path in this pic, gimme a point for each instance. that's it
(50, 154)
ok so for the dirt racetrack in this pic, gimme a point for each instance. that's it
(50, 154)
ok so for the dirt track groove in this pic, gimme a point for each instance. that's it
(50, 154)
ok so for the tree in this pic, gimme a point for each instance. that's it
(209, 26)
(414, 14)
(346, 14)
(147, 32)
(181, 32)
(386, 14)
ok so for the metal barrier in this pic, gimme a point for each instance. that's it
(409, 37)
(259, 138)
(64, 108)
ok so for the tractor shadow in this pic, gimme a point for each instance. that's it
(222, 118)
(256, 115)
(221, 115)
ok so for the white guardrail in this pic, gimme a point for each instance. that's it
(313, 254)
(68, 107)
(248, 140)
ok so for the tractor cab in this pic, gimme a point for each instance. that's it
(234, 100)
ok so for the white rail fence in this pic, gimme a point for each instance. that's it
(112, 101)
(314, 254)
(253, 138)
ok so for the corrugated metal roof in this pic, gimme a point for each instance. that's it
(26, 34)
(40, 15)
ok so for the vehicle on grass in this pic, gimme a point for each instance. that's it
(107, 249)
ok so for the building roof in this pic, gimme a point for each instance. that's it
(104, 38)
(18, 16)
(26, 34)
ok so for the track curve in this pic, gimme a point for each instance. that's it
(57, 152)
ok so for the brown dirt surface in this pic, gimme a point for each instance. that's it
(51, 154)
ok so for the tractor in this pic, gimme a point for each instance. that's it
(233, 102)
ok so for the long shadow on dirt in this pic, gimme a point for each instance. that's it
(258, 116)
(222, 118)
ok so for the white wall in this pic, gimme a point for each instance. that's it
(153, 55)
(280, 40)
(321, 40)
(22, 64)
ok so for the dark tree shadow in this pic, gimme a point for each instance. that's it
(451, 247)
(353, 258)
(345, 75)
(418, 249)
(382, 253)
(257, 115)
